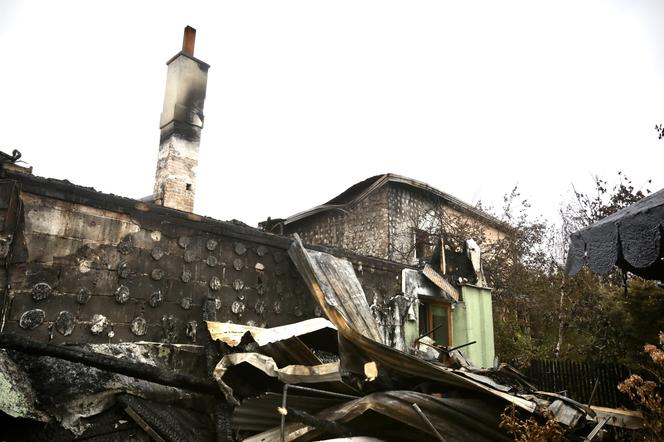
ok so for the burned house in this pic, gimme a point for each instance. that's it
(84, 268)
(128, 319)
(402, 220)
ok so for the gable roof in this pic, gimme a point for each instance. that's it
(359, 191)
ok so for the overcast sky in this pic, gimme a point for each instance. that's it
(305, 98)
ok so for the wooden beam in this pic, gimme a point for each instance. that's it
(144, 425)
(109, 363)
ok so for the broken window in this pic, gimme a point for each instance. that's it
(434, 321)
(424, 244)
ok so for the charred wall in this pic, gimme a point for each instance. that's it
(106, 269)
(362, 228)
(408, 209)
(89, 267)
(382, 224)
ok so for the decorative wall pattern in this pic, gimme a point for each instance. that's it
(88, 267)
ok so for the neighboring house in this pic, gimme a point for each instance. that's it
(386, 216)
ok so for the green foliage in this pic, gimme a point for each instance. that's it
(541, 312)
(526, 283)
(605, 200)
(604, 325)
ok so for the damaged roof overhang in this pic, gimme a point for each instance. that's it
(631, 238)
(149, 214)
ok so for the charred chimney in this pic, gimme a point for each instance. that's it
(181, 124)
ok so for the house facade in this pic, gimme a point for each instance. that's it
(401, 220)
(80, 266)
(389, 217)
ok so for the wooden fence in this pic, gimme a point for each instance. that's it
(577, 379)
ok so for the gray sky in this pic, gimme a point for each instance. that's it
(306, 97)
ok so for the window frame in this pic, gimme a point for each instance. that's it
(425, 244)
(426, 302)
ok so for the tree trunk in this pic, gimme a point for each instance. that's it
(561, 323)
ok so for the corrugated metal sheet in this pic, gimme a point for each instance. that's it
(283, 344)
(260, 413)
(458, 420)
(343, 292)
(231, 334)
(291, 374)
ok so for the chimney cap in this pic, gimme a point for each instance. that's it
(189, 41)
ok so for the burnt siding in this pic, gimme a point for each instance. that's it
(156, 274)
(382, 225)
(379, 285)
(362, 228)
(166, 270)
(406, 208)
(407, 211)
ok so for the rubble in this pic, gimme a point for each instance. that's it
(309, 380)
(396, 395)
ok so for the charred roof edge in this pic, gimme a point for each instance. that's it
(394, 178)
(66, 191)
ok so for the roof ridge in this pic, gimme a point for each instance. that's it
(365, 187)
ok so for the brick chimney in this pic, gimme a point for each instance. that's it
(181, 123)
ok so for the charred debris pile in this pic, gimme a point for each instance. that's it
(312, 380)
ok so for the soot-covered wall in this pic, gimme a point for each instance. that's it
(362, 227)
(80, 266)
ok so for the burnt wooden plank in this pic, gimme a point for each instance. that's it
(109, 363)
(321, 284)
(351, 300)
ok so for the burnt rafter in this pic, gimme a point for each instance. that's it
(108, 363)
(6, 158)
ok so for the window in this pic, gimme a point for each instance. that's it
(436, 316)
(424, 244)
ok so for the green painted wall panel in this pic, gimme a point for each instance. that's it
(472, 320)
